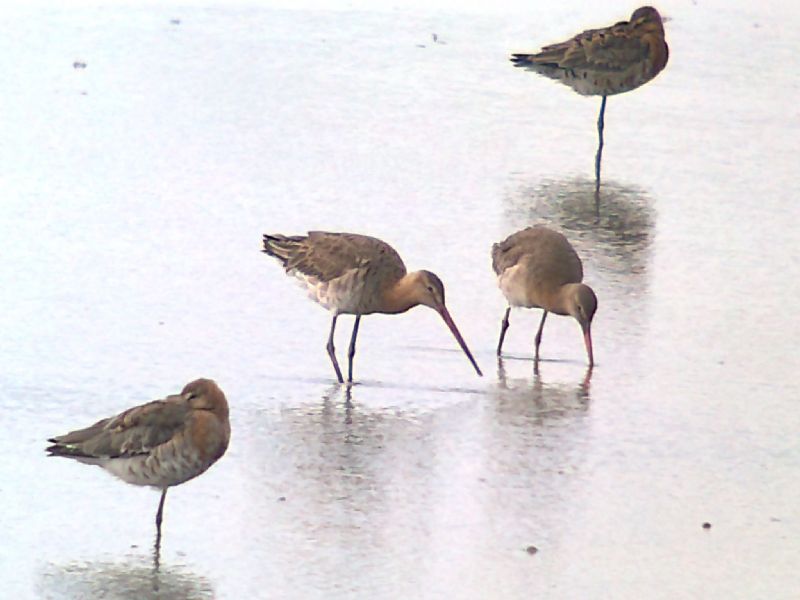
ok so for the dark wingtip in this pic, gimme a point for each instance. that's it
(54, 450)
(519, 60)
(265, 239)
(66, 451)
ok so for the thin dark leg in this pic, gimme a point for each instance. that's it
(538, 339)
(351, 351)
(160, 512)
(503, 328)
(599, 155)
(332, 351)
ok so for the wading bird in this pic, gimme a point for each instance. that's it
(160, 444)
(538, 268)
(358, 275)
(603, 62)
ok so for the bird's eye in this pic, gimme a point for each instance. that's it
(430, 289)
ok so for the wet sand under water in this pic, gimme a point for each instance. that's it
(136, 190)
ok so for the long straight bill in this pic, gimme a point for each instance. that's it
(449, 320)
(587, 339)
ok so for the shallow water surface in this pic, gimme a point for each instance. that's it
(134, 195)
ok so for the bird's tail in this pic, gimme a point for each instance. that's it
(522, 60)
(281, 246)
(544, 63)
(61, 447)
(58, 449)
(72, 444)
(74, 451)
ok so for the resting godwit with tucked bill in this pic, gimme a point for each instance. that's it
(161, 444)
(603, 62)
(538, 268)
(358, 275)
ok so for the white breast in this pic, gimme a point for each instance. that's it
(512, 282)
(345, 294)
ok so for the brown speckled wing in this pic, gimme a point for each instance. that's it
(327, 256)
(611, 49)
(549, 255)
(136, 431)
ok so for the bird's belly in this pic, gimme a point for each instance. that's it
(512, 282)
(589, 82)
(154, 471)
(345, 294)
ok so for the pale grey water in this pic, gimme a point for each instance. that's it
(134, 195)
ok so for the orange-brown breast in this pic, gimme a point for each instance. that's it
(209, 435)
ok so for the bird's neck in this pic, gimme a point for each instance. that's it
(559, 301)
(400, 297)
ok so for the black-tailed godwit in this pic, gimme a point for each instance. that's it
(538, 268)
(358, 275)
(160, 444)
(603, 62)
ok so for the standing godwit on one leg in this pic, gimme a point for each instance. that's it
(358, 275)
(161, 444)
(603, 62)
(538, 268)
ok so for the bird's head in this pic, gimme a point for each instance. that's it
(204, 394)
(647, 17)
(429, 289)
(582, 304)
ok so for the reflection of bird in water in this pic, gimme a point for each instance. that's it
(127, 579)
(603, 62)
(359, 275)
(538, 268)
(160, 444)
(540, 438)
(548, 398)
(503, 379)
(329, 400)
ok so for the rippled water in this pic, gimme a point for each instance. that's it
(134, 195)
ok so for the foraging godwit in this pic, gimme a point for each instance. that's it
(603, 62)
(538, 268)
(358, 275)
(161, 444)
